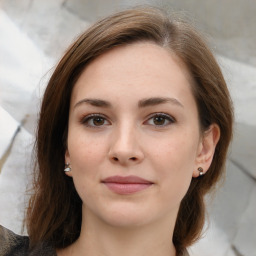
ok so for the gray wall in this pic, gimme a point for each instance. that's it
(229, 23)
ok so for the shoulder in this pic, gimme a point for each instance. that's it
(12, 244)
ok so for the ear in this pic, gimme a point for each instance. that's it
(67, 161)
(206, 149)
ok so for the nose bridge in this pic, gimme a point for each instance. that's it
(125, 146)
(125, 137)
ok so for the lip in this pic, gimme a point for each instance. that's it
(126, 185)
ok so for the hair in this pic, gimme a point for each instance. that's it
(54, 212)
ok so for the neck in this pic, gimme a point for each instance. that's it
(98, 238)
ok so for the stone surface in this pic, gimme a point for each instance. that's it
(241, 80)
(14, 178)
(22, 65)
(55, 32)
(246, 235)
(243, 149)
(91, 10)
(231, 23)
(231, 200)
(214, 242)
(8, 128)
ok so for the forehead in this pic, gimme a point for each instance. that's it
(140, 67)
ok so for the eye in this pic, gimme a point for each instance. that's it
(95, 120)
(160, 119)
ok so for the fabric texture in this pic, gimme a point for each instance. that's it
(15, 245)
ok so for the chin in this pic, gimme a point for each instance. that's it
(126, 216)
(126, 220)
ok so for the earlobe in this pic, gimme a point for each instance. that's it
(67, 169)
(67, 156)
(206, 150)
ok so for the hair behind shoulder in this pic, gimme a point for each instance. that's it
(54, 212)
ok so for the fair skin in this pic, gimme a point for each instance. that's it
(132, 112)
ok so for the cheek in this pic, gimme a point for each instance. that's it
(174, 161)
(85, 149)
(177, 153)
(86, 157)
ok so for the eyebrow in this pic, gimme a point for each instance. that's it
(94, 102)
(158, 100)
(142, 103)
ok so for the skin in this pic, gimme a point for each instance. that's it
(129, 137)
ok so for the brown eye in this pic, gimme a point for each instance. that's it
(97, 121)
(94, 121)
(159, 120)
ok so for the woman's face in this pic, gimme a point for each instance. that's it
(134, 140)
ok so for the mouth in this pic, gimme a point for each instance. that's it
(126, 185)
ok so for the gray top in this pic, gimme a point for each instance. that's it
(16, 245)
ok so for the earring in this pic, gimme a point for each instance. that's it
(201, 171)
(67, 167)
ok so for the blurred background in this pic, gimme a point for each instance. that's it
(33, 36)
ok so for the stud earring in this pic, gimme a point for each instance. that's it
(201, 171)
(67, 167)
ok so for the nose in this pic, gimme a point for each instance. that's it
(125, 148)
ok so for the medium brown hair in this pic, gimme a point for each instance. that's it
(54, 213)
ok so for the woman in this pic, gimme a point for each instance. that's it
(134, 129)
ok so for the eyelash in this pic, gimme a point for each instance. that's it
(86, 119)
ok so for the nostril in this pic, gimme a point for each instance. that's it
(115, 159)
(133, 158)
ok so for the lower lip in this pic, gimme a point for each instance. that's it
(126, 189)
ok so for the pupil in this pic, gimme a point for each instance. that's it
(159, 120)
(98, 121)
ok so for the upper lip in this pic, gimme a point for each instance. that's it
(126, 180)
